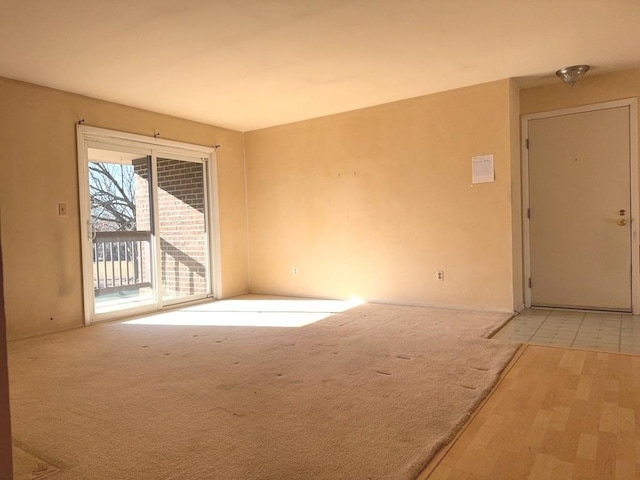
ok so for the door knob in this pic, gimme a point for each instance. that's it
(622, 212)
(622, 222)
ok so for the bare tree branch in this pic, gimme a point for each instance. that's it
(112, 190)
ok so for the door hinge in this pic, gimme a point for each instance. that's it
(527, 143)
(530, 283)
(528, 213)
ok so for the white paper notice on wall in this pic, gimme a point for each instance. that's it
(482, 169)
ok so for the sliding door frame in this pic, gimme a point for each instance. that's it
(153, 147)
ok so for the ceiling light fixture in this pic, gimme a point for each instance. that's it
(572, 74)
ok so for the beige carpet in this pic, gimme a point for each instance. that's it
(368, 393)
(27, 466)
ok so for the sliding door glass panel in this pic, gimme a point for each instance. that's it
(121, 227)
(182, 229)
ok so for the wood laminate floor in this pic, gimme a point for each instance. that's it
(558, 413)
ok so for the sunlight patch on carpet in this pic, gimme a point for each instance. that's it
(252, 313)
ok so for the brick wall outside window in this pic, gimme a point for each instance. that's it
(181, 209)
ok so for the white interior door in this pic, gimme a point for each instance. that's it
(580, 210)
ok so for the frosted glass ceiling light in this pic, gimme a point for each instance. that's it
(572, 74)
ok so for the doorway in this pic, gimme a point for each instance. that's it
(146, 215)
(580, 204)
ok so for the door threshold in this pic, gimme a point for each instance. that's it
(580, 309)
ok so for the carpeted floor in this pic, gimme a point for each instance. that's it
(367, 393)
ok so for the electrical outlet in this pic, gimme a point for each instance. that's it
(62, 209)
(295, 271)
(440, 275)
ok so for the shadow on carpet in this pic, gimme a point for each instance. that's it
(28, 466)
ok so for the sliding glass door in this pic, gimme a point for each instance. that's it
(121, 230)
(182, 229)
(146, 221)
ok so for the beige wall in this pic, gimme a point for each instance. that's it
(592, 89)
(38, 169)
(372, 202)
(368, 203)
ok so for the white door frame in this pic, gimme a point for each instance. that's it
(153, 147)
(632, 103)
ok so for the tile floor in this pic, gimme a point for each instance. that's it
(591, 330)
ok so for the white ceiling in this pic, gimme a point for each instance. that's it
(248, 64)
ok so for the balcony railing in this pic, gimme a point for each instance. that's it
(120, 261)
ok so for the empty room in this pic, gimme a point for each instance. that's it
(329, 240)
